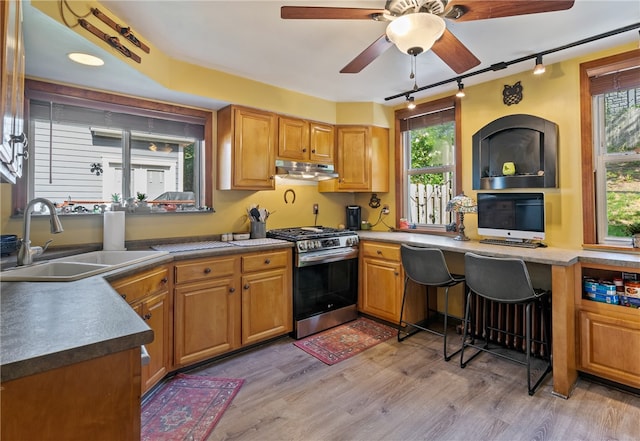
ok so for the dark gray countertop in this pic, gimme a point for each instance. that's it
(46, 325)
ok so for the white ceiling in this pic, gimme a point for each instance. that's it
(249, 39)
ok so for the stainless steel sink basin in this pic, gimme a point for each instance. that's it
(67, 269)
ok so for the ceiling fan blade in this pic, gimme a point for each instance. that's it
(327, 13)
(365, 57)
(454, 53)
(484, 9)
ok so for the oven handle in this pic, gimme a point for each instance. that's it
(320, 257)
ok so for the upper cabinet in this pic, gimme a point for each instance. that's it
(12, 60)
(246, 149)
(362, 160)
(305, 141)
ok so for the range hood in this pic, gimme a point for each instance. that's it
(305, 170)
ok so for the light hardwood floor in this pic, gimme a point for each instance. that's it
(406, 391)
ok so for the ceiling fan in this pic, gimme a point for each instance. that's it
(415, 26)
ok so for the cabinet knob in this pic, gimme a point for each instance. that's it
(246, 286)
(124, 296)
(164, 280)
(379, 252)
(396, 273)
(232, 290)
(207, 270)
(313, 150)
(147, 316)
(304, 150)
(267, 261)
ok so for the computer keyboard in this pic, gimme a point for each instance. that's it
(511, 243)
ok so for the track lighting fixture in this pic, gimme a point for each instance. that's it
(411, 102)
(460, 93)
(539, 69)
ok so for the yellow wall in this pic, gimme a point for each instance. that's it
(553, 96)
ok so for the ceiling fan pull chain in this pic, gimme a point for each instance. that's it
(414, 76)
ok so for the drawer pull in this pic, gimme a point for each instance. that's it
(207, 270)
(124, 296)
(379, 252)
(147, 316)
(164, 281)
(246, 286)
(232, 290)
(267, 261)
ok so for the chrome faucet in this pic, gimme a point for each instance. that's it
(26, 252)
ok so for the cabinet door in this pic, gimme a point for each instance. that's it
(381, 288)
(266, 305)
(609, 345)
(155, 312)
(254, 143)
(207, 320)
(321, 143)
(353, 158)
(293, 139)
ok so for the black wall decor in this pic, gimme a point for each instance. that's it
(512, 94)
(530, 142)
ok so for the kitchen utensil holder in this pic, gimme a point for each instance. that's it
(258, 230)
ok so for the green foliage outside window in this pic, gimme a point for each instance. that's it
(427, 148)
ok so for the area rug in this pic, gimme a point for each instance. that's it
(345, 341)
(187, 407)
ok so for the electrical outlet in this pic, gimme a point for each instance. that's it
(315, 208)
(385, 209)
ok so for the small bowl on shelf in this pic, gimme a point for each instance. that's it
(241, 236)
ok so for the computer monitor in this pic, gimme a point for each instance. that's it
(514, 216)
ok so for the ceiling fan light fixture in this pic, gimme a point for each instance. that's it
(539, 69)
(415, 33)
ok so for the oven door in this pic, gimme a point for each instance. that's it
(324, 287)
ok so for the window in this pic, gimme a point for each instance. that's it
(611, 147)
(428, 175)
(86, 153)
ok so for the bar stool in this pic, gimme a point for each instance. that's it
(427, 266)
(506, 281)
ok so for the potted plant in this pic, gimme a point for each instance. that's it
(116, 202)
(142, 201)
(633, 230)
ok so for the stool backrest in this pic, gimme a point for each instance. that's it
(425, 266)
(498, 278)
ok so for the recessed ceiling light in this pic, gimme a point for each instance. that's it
(86, 59)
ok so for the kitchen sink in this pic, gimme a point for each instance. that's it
(79, 266)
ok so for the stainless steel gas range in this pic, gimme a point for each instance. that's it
(325, 277)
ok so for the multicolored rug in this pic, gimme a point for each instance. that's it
(187, 407)
(345, 341)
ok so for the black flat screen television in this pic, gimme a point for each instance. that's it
(513, 216)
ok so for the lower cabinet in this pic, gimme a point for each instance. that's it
(224, 303)
(608, 335)
(148, 294)
(382, 284)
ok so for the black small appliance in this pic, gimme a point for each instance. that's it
(353, 217)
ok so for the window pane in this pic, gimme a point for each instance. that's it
(622, 120)
(432, 146)
(623, 196)
(428, 196)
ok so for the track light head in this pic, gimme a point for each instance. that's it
(460, 93)
(411, 102)
(539, 69)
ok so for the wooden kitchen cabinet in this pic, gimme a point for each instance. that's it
(362, 160)
(306, 141)
(207, 308)
(12, 65)
(227, 302)
(246, 149)
(608, 335)
(148, 294)
(382, 283)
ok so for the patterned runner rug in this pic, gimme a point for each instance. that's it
(187, 407)
(345, 341)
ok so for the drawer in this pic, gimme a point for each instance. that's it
(266, 260)
(193, 271)
(380, 250)
(141, 285)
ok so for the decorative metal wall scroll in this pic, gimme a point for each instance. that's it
(512, 94)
